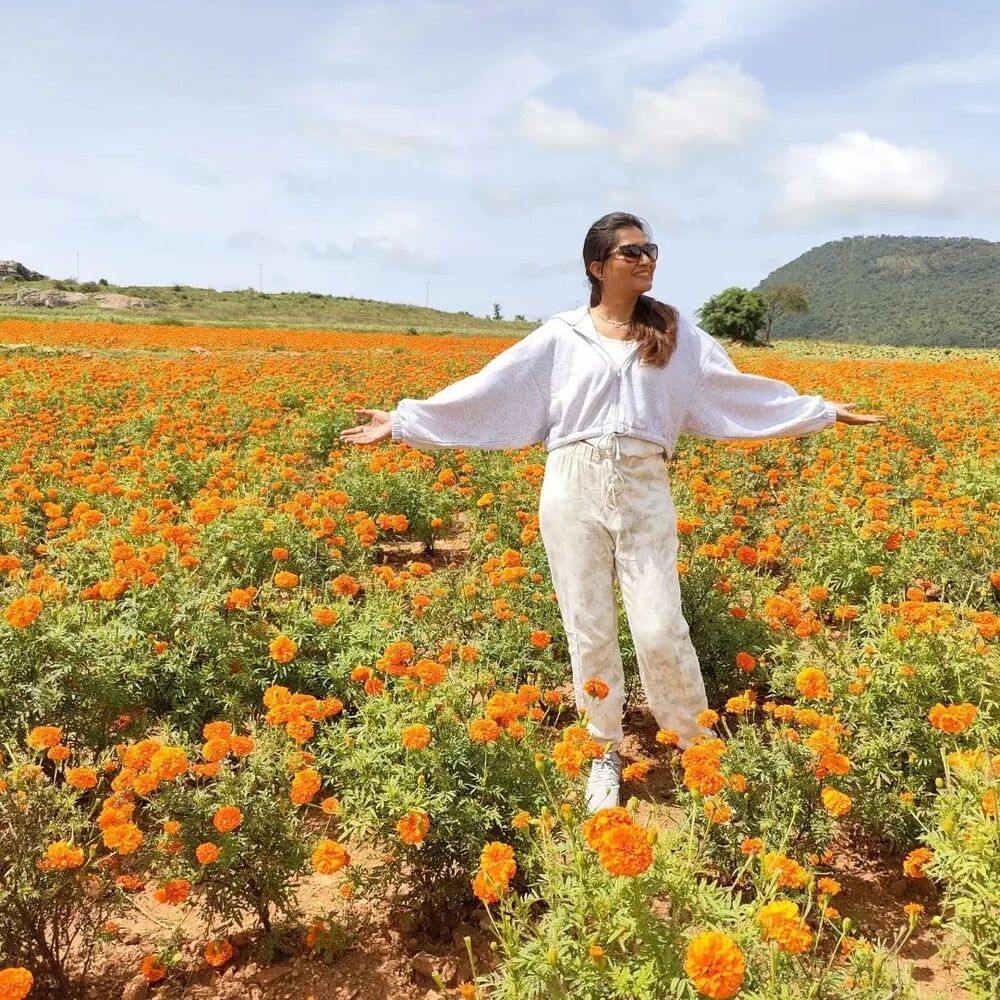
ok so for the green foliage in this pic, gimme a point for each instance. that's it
(735, 313)
(52, 915)
(965, 836)
(469, 790)
(896, 290)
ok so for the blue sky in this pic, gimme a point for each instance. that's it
(370, 148)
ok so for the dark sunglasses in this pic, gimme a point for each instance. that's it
(634, 251)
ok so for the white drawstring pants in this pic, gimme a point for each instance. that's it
(604, 515)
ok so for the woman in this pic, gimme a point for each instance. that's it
(608, 388)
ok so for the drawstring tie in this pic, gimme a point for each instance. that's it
(611, 450)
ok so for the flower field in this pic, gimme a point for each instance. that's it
(262, 692)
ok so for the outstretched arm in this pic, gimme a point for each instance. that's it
(500, 406)
(729, 404)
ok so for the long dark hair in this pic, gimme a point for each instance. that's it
(654, 323)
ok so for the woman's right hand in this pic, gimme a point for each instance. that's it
(377, 429)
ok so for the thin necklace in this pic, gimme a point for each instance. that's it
(612, 322)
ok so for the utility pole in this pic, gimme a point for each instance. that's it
(427, 293)
(260, 282)
(78, 267)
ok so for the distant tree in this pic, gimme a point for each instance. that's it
(496, 311)
(103, 282)
(519, 318)
(782, 300)
(736, 313)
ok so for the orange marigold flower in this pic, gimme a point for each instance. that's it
(812, 683)
(305, 785)
(599, 823)
(741, 703)
(328, 857)
(637, 771)
(153, 970)
(216, 731)
(781, 923)
(206, 853)
(217, 953)
(913, 863)
(215, 749)
(413, 827)
(324, 616)
(282, 649)
(836, 803)
(745, 662)
(81, 778)
(668, 737)
(707, 718)
(299, 730)
(63, 856)
(752, 845)
(596, 688)
(43, 737)
(625, 850)
(240, 598)
(58, 753)
(130, 883)
(717, 811)
(330, 805)
(286, 580)
(174, 891)
(345, 585)
(715, 964)
(15, 982)
(540, 638)
(241, 746)
(416, 737)
(496, 869)
(483, 730)
(952, 718)
(790, 873)
(22, 611)
(828, 886)
(123, 837)
(227, 818)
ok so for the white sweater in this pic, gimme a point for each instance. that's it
(559, 384)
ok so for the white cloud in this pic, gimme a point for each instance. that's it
(856, 175)
(253, 242)
(507, 201)
(695, 29)
(380, 143)
(978, 70)
(329, 251)
(716, 105)
(531, 270)
(393, 255)
(557, 128)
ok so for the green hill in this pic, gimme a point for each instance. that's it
(182, 305)
(919, 290)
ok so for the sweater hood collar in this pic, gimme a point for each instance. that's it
(575, 318)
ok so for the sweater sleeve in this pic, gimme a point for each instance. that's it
(500, 406)
(728, 404)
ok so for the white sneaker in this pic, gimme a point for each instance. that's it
(604, 781)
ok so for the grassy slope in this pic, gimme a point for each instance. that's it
(184, 305)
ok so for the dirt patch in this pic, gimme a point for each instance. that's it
(54, 298)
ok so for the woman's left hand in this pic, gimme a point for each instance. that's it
(845, 416)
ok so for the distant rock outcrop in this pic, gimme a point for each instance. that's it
(54, 298)
(14, 269)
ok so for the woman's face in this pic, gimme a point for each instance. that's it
(619, 276)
